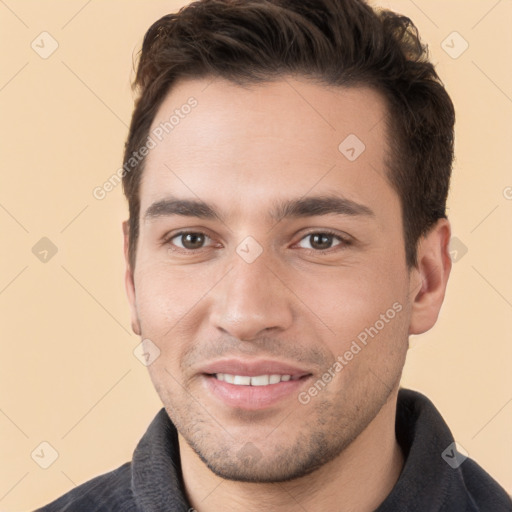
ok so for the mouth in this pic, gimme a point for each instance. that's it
(253, 385)
(257, 380)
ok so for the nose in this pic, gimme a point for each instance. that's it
(251, 300)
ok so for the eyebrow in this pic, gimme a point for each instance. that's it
(303, 207)
(319, 205)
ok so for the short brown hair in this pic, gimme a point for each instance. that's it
(335, 42)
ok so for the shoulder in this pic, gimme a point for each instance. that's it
(107, 492)
(484, 492)
(434, 478)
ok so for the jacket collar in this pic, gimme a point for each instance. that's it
(427, 481)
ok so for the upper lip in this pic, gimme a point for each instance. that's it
(252, 368)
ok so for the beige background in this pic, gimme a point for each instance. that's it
(67, 369)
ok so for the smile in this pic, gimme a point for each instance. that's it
(257, 380)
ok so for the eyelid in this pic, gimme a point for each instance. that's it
(345, 240)
(168, 237)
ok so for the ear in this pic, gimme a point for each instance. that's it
(429, 279)
(128, 280)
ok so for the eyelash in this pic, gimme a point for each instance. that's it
(344, 242)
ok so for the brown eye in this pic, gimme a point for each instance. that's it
(190, 240)
(320, 241)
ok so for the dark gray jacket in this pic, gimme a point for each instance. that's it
(433, 479)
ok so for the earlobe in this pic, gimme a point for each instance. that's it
(430, 277)
(129, 282)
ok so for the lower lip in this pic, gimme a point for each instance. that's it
(253, 398)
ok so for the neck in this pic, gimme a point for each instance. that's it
(359, 479)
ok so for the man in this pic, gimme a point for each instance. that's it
(286, 170)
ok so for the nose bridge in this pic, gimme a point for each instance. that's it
(251, 299)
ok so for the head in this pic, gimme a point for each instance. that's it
(294, 215)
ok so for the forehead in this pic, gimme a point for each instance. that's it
(239, 147)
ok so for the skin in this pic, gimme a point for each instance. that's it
(242, 150)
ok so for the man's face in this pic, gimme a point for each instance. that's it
(294, 271)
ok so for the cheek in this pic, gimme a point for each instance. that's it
(348, 300)
(172, 305)
(164, 295)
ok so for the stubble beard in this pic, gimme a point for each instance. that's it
(320, 434)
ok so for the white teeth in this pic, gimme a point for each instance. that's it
(274, 379)
(258, 380)
(242, 380)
